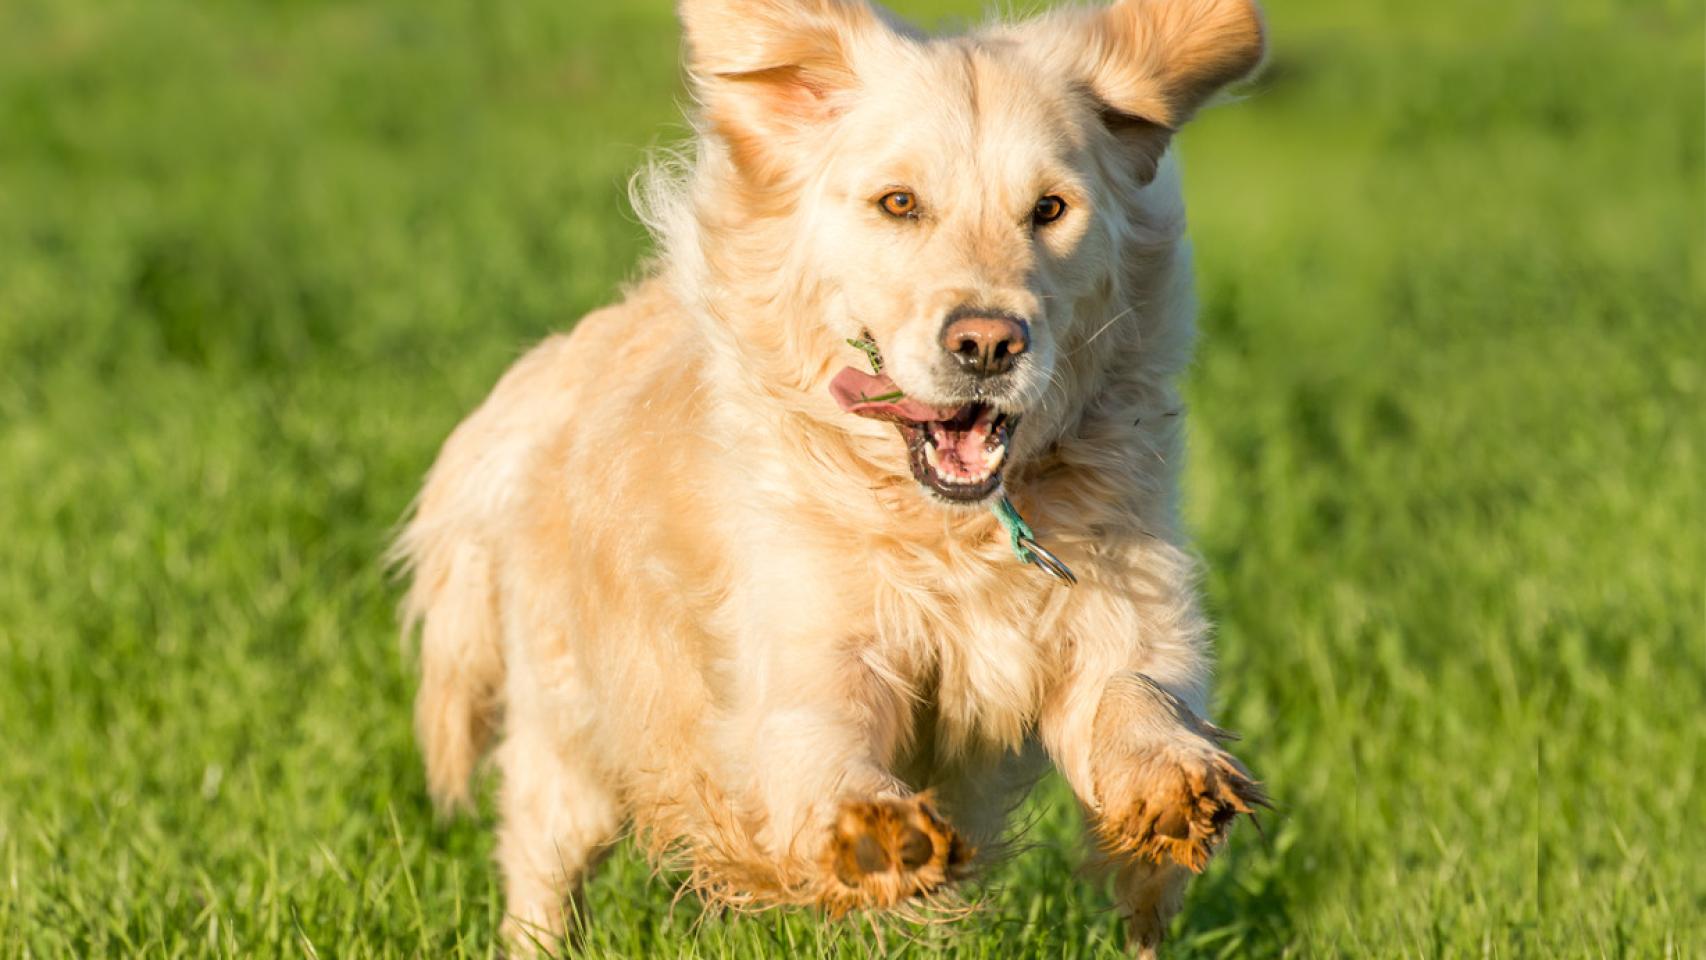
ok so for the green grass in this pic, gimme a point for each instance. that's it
(257, 258)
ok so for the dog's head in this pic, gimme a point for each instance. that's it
(960, 207)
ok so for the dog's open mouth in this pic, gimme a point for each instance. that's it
(957, 452)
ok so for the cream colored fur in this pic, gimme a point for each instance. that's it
(689, 593)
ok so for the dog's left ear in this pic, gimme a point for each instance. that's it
(1152, 63)
(771, 73)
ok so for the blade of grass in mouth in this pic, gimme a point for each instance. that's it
(869, 349)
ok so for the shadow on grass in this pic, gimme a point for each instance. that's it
(1040, 902)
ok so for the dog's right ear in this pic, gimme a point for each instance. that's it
(1152, 63)
(771, 73)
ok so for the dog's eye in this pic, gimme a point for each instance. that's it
(1048, 210)
(900, 203)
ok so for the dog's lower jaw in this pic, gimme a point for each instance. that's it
(962, 486)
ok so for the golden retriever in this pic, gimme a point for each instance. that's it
(741, 561)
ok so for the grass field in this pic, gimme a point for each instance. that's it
(1447, 470)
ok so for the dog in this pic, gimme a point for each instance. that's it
(757, 562)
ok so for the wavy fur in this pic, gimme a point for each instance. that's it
(698, 598)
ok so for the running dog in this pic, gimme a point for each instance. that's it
(860, 508)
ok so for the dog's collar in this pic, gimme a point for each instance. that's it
(1025, 545)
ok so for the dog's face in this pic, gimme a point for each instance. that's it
(963, 200)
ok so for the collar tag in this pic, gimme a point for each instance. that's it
(1025, 545)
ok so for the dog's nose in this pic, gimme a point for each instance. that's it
(986, 345)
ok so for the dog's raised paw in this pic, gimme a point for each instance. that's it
(883, 852)
(1175, 805)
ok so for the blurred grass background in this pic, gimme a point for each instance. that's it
(256, 258)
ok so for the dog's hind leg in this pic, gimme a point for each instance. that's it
(1149, 894)
(980, 790)
(557, 816)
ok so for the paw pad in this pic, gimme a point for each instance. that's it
(884, 851)
(1181, 809)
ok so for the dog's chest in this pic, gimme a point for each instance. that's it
(975, 658)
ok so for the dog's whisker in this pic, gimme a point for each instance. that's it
(1116, 318)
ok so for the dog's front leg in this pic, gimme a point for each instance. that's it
(817, 731)
(1125, 724)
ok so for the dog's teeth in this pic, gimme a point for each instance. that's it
(995, 457)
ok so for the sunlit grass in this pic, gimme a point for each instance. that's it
(256, 259)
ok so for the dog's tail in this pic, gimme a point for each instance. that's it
(448, 547)
(452, 604)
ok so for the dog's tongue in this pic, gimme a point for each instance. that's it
(875, 395)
